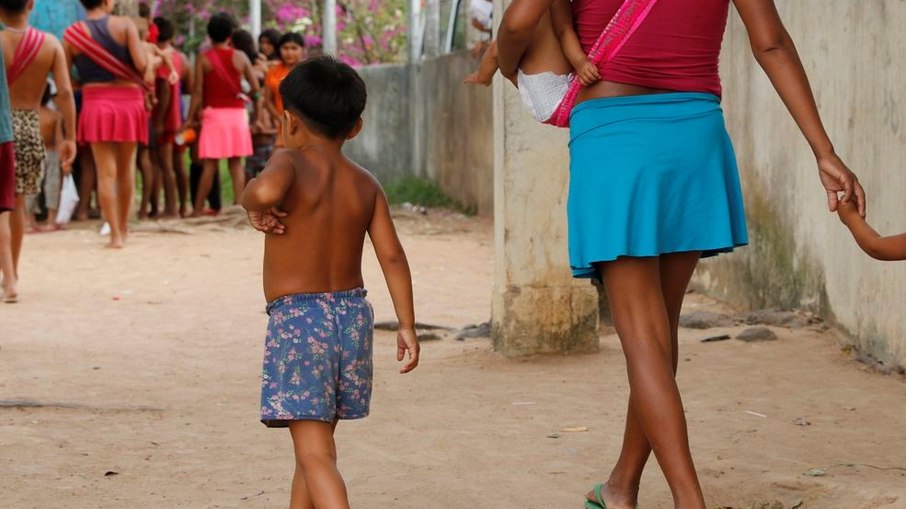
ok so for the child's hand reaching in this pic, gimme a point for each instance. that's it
(588, 73)
(848, 212)
(268, 221)
(406, 339)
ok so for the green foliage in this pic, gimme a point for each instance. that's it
(420, 191)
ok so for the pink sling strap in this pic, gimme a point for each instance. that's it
(621, 27)
(26, 52)
(80, 38)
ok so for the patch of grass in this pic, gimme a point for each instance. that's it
(420, 191)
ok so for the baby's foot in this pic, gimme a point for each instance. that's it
(474, 79)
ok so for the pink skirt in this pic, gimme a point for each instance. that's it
(224, 134)
(113, 114)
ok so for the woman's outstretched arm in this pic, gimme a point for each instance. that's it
(775, 52)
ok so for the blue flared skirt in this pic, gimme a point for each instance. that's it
(651, 175)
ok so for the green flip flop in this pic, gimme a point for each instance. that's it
(599, 503)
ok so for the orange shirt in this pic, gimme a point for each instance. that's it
(272, 80)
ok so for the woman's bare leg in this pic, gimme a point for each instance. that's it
(317, 482)
(125, 182)
(204, 185)
(87, 183)
(639, 289)
(147, 170)
(6, 258)
(237, 173)
(621, 490)
(182, 181)
(105, 168)
(168, 178)
(17, 231)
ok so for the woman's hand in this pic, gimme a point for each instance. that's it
(836, 178)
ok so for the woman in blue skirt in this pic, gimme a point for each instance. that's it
(654, 187)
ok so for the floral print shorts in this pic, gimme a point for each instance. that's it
(317, 358)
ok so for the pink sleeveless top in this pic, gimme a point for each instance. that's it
(677, 47)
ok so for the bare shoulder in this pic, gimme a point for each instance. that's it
(364, 178)
(285, 159)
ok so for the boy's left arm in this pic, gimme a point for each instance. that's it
(264, 193)
(562, 21)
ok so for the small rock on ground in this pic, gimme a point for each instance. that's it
(757, 334)
(474, 331)
(704, 320)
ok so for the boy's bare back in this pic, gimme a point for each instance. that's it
(330, 206)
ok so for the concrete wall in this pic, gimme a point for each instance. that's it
(801, 256)
(536, 306)
(422, 121)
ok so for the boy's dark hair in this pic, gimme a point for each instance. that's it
(165, 29)
(221, 26)
(328, 95)
(144, 10)
(13, 6)
(91, 4)
(244, 42)
(290, 37)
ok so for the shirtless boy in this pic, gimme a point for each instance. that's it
(31, 57)
(316, 206)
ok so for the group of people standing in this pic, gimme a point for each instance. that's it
(125, 97)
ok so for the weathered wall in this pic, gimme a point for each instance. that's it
(801, 256)
(422, 121)
(536, 306)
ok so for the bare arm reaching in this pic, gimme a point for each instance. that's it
(775, 52)
(878, 247)
(395, 266)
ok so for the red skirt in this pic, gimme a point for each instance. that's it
(7, 176)
(113, 114)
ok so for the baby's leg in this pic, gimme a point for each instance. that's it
(317, 482)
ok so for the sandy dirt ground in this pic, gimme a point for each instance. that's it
(145, 366)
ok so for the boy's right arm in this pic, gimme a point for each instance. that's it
(395, 266)
(562, 21)
(880, 248)
(264, 193)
